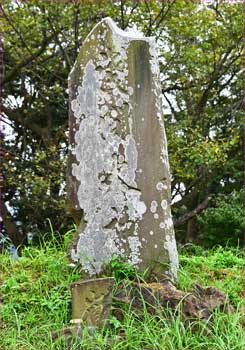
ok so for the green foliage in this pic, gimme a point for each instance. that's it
(219, 266)
(224, 223)
(36, 295)
(201, 66)
(120, 270)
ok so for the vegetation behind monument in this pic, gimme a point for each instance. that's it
(200, 50)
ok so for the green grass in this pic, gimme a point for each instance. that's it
(36, 301)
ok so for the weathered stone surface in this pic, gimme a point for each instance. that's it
(198, 304)
(119, 180)
(91, 301)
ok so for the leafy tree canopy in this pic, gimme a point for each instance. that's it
(200, 53)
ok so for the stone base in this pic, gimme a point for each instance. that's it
(198, 304)
(94, 311)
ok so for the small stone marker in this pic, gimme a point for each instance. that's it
(119, 179)
(91, 301)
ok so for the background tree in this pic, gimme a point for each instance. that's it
(200, 50)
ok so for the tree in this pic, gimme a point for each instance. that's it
(200, 49)
(203, 79)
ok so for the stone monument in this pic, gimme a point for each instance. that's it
(118, 171)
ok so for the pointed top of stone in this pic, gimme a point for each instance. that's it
(130, 35)
(121, 38)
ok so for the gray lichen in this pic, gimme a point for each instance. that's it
(106, 175)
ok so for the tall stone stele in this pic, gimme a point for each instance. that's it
(119, 179)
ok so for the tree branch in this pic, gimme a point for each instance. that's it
(170, 105)
(56, 36)
(192, 213)
(28, 60)
(218, 71)
(185, 86)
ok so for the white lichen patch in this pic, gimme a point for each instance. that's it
(114, 113)
(136, 208)
(154, 57)
(128, 172)
(164, 204)
(154, 206)
(170, 246)
(162, 225)
(134, 245)
(161, 186)
(169, 223)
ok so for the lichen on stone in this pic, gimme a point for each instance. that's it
(170, 246)
(105, 167)
(122, 214)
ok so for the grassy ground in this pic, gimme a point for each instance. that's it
(36, 301)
